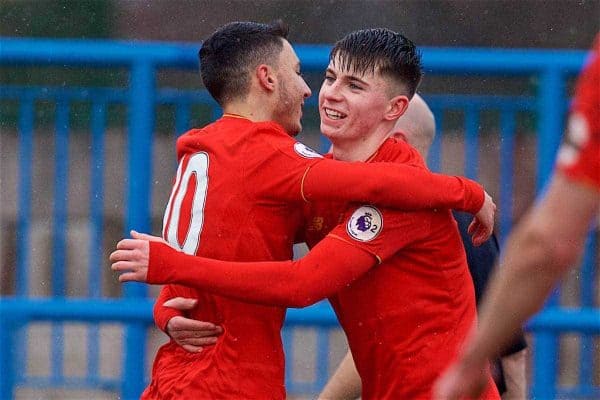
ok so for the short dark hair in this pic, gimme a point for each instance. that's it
(382, 50)
(231, 51)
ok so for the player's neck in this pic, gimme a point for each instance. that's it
(357, 149)
(248, 109)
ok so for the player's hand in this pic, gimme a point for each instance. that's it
(461, 382)
(131, 258)
(190, 334)
(482, 226)
(145, 236)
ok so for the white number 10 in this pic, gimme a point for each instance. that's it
(196, 167)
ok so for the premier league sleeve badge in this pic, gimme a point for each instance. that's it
(365, 224)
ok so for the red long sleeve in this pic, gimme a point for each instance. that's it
(326, 269)
(393, 185)
(163, 314)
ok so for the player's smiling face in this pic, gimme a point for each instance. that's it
(292, 91)
(351, 105)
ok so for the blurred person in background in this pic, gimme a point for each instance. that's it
(544, 245)
(417, 127)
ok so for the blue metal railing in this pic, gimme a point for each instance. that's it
(141, 97)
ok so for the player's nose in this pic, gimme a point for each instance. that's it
(306, 89)
(331, 92)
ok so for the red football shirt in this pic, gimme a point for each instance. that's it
(418, 304)
(579, 156)
(222, 207)
(237, 196)
(406, 318)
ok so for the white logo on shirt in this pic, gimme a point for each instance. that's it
(578, 131)
(365, 224)
(567, 155)
(577, 136)
(306, 151)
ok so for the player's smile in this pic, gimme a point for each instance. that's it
(334, 114)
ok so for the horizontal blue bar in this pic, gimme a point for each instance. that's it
(71, 93)
(126, 310)
(109, 94)
(460, 60)
(71, 382)
(174, 95)
(579, 392)
(95, 52)
(553, 319)
(502, 102)
(50, 309)
(314, 57)
(318, 314)
(295, 387)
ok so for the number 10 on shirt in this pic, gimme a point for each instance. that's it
(184, 216)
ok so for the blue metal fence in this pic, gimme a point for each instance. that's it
(141, 97)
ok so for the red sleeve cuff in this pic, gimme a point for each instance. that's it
(162, 315)
(474, 201)
(160, 272)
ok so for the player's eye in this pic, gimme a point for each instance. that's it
(354, 86)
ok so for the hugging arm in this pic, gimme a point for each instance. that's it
(328, 267)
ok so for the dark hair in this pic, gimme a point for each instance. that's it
(227, 56)
(381, 50)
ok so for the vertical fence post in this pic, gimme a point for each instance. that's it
(507, 148)
(26, 142)
(96, 227)
(59, 230)
(586, 346)
(287, 337)
(7, 357)
(26, 150)
(139, 176)
(471, 161)
(551, 104)
(322, 366)
(550, 127)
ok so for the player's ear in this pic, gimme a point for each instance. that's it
(399, 135)
(396, 107)
(266, 77)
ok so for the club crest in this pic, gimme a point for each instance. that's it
(365, 224)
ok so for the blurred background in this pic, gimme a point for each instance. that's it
(500, 23)
(67, 128)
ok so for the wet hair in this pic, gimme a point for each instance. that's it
(380, 50)
(227, 56)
